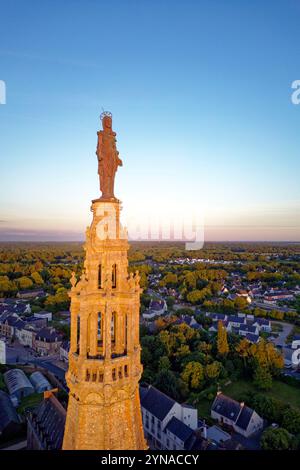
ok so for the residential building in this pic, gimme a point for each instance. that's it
(9, 323)
(161, 430)
(253, 338)
(26, 334)
(31, 294)
(64, 351)
(245, 329)
(296, 342)
(43, 314)
(274, 296)
(291, 356)
(2, 351)
(47, 341)
(241, 418)
(263, 324)
(235, 321)
(156, 309)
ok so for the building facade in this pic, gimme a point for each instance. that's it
(168, 425)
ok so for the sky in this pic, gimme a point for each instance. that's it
(200, 92)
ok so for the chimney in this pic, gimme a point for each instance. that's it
(204, 430)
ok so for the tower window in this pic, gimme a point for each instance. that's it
(125, 332)
(78, 333)
(99, 329)
(99, 276)
(114, 276)
(113, 327)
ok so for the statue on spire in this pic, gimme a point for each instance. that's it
(108, 157)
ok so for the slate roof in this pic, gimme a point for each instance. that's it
(12, 320)
(252, 337)
(245, 417)
(48, 420)
(156, 304)
(50, 335)
(262, 321)
(218, 316)
(248, 328)
(226, 406)
(32, 291)
(157, 403)
(236, 319)
(239, 413)
(8, 413)
(179, 429)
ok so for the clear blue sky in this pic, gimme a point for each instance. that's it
(200, 93)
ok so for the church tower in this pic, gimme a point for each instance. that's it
(104, 360)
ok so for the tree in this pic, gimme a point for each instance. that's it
(222, 343)
(166, 382)
(59, 301)
(169, 280)
(276, 439)
(193, 375)
(170, 301)
(212, 371)
(7, 286)
(268, 407)
(240, 303)
(196, 296)
(164, 363)
(262, 378)
(291, 420)
(37, 278)
(24, 283)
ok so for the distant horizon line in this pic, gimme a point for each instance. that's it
(156, 241)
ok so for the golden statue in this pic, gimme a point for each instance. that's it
(108, 157)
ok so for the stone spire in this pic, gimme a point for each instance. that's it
(104, 359)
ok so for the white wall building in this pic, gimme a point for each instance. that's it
(244, 420)
(2, 352)
(43, 314)
(167, 424)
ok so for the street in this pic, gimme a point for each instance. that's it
(282, 335)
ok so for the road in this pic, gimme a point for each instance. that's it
(272, 307)
(282, 335)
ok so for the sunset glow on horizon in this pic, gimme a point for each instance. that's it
(205, 124)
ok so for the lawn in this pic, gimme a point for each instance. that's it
(276, 327)
(31, 401)
(280, 391)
